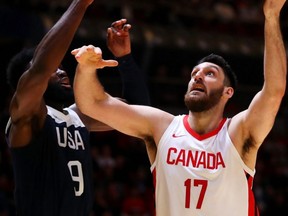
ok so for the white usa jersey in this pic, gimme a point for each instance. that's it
(201, 175)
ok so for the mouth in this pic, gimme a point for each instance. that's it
(197, 89)
(65, 85)
(65, 82)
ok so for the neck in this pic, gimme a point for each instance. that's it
(56, 106)
(205, 122)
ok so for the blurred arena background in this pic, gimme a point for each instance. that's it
(168, 37)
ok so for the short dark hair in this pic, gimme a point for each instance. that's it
(221, 62)
(18, 65)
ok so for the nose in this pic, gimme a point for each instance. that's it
(61, 73)
(198, 76)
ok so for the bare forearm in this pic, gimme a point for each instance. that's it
(53, 47)
(274, 56)
(87, 89)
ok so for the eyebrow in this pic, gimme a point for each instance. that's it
(210, 66)
(217, 68)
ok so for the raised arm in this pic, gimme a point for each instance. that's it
(92, 100)
(250, 128)
(27, 108)
(134, 87)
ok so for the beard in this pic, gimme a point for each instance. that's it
(56, 93)
(204, 103)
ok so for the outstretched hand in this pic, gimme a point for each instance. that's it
(91, 56)
(118, 38)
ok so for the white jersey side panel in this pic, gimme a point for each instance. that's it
(199, 175)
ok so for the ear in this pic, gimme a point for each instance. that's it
(228, 91)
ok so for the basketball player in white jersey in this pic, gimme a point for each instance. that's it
(203, 163)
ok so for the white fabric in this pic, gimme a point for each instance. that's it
(185, 165)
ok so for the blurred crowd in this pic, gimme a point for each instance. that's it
(183, 28)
